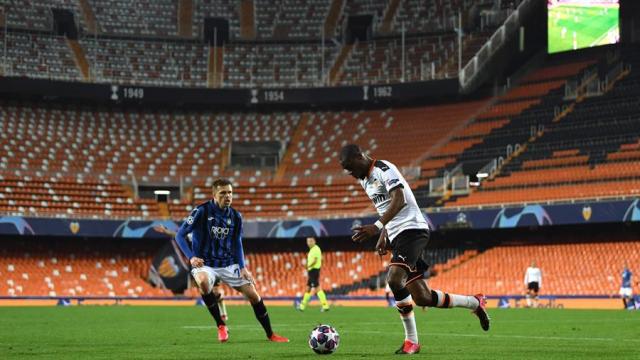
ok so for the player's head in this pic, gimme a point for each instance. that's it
(354, 161)
(222, 192)
(533, 264)
(311, 241)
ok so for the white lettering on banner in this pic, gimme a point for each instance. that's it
(382, 91)
(133, 93)
(273, 95)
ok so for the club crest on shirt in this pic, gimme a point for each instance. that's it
(229, 221)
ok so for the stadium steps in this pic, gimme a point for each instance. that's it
(79, 58)
(89, 16)
(338, 66)
(333, 16)
(185, 18)
(247, 20)
(215, 66)
(287, 159)
(522, 111)
(389, 17)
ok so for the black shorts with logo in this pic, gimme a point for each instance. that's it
(314, 278)
(407, 252)
(533, 286)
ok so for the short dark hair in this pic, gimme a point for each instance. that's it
(350, 151)
(220, 182)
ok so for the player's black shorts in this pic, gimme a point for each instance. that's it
(314, 278)
(533, 286)
(407, 250)
(216, 282)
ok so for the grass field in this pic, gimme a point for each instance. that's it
(119, 332)
(592, 25)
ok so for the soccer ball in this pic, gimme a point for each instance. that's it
(324, 339)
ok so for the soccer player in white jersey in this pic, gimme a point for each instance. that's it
(533, 282)
(404, 229)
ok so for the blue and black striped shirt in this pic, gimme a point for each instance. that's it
(216, 235)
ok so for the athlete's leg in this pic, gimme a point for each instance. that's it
(311, 290)
(397, 278)
(210, 299)
(219, 292)
(260, 310)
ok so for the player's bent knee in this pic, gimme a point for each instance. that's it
(202, 281)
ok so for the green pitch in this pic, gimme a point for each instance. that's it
(592, 25)
(121, 332)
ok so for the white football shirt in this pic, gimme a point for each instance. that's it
(533, 274)
(383, 178)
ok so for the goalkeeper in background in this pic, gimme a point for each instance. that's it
(314, 263)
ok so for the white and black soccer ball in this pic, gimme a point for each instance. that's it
(324, 339)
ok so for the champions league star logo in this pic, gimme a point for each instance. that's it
(532, 215)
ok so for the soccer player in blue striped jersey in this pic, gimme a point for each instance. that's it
(216, 253)
(626, 288)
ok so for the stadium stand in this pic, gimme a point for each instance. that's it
(178, 64)
(227, 9)
(118, 145)
(276, 65)
(140, 18)
(575, 157)
(428, 57)
(39, 56)
(40, 269)
(36, 14)
(501, 269)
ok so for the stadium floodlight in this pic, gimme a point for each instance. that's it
(161, 192)
(482, 175)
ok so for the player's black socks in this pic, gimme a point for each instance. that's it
(263, 317)
(211, 301)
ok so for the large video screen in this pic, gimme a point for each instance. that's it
(577, 24)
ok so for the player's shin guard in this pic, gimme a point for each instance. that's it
(444, 300)
(211, 301)
(405, 308)
(404, 304)
(263, 317)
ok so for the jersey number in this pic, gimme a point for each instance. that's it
(237, 272)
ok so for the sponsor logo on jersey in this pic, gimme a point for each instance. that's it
(378, 198)
(219, 232)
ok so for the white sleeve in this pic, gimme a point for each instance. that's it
(391, 178)
(526, 277)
